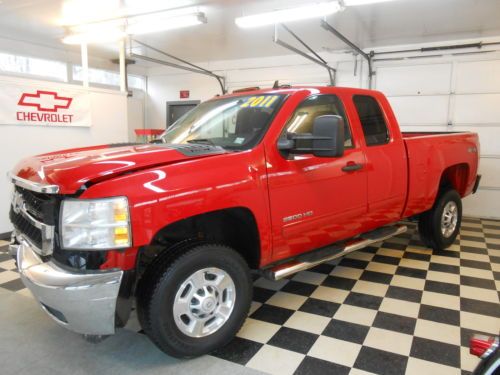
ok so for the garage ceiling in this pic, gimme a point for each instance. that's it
(392, 23)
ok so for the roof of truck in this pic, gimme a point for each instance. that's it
(295, 89)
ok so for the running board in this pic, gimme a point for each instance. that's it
(331, 252)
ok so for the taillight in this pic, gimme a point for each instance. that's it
(479, 344)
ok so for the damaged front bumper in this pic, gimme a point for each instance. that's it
(81, 302)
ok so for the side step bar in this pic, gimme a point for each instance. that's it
(331, 252)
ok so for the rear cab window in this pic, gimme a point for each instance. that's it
(372, 120)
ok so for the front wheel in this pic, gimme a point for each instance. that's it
(197, 302)
(440, 226)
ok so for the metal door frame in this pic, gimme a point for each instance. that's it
(178, 102)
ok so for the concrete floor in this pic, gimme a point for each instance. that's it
(30, 343)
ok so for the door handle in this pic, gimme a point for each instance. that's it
(351, 167)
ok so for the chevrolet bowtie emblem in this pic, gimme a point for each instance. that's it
(45, 101)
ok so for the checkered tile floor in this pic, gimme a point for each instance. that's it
(393, 308)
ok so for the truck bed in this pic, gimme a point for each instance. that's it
(432, 155)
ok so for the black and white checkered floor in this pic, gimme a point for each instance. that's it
(393, 308)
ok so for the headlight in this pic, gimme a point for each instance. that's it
(95, 224)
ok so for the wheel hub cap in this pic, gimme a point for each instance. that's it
(449, 219)
(204, 302)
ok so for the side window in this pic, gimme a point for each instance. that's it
(315, 106)
(372, 120)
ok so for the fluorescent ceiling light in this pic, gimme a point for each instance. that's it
(349, 3)
(94, 37)
(76, 12)
(134, 7)
(150, 24)
(99, 32)
(116, 29)
(287, 15)
(98, 27)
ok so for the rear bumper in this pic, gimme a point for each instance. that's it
(476, 184)
(81, 302)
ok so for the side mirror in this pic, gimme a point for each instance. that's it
(328, 136)
(327, 139)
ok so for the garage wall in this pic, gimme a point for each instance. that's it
(460, 94)
(17, 142)
(165, 87)
(450, 93)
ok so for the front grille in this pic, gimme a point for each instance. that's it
(33, 216)
(42, 207)
(26, 228)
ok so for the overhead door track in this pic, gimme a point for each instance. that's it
(317, 59)
(190, 67)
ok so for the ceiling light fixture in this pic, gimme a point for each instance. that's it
(287, 15)
(98, 32)
(116, 29)
(150, 24)
(350, 3)
(135, 7)
(77, 12)
(94, 37)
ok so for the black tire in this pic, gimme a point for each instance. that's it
(429, 224)
(156, 295)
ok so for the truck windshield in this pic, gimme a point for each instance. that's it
(236, 123)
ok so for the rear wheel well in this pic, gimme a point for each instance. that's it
(235, 227)
(454, 177)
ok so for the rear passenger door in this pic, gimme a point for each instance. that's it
(386, 163)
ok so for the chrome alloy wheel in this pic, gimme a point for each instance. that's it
(449, 219)
(204, 302)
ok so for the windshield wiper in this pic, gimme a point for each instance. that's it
(203, 141)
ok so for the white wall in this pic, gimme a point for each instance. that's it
(109, 124)
(163, 88)
(427, 94)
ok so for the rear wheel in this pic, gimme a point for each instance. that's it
(196, 302)
(440, 226)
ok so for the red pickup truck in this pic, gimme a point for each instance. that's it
(270, 181)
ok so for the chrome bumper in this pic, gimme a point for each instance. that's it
(81, 302)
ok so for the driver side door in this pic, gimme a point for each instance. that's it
(315, 201)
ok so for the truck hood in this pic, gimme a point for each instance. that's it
(72, 168)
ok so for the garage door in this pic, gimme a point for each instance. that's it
(453, 96)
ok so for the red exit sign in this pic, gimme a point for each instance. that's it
(184, 94)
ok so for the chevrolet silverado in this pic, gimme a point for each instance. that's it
(266, 181)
